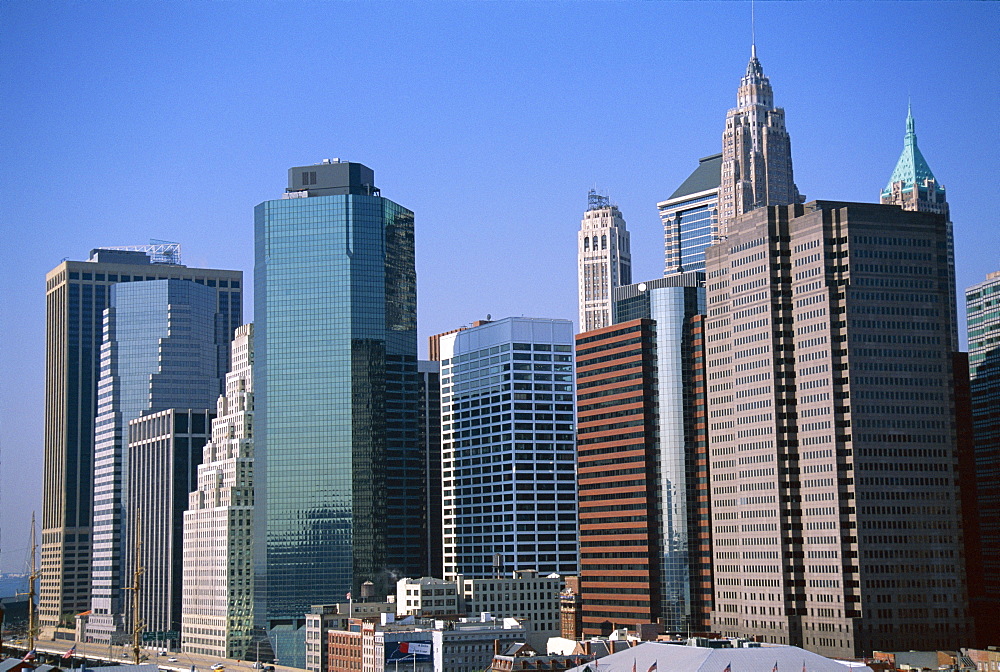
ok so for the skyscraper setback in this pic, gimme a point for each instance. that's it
(339, 493)
(604, 260)
(217, 602)
(159, 352)
(836, 521)
(756, 151)
(77, 292)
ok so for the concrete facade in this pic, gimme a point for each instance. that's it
(217, 602)
(834, 473)
(532, 599)
(604, 260)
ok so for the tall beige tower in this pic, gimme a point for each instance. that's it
(603, 260)
(836, 521)
(756, 151)
(217, 602)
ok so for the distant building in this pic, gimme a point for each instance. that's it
(164, 452)
(160, 351)
(570, 621)
(523, 657)
(429, 434)
(217, 595)
(467, 645)
(428, 597)
(326, 623)
(532, 599)
(509, 482)
(836, 523)
(604, 260)
(756, 151)
(983, 310)
(76, 294)
(645, 551)
(434, 343)
(912, 185)
(690, 218)
(340, 499)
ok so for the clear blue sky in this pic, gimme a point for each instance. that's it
(124, 121)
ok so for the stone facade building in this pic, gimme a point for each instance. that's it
(756, 151)
(836, 523)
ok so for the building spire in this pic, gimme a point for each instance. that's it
(912, 184)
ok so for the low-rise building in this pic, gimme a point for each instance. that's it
(570, 621)
(522, 657)
(326, 619)
(533, 600)
(985, 660)
(427, 597)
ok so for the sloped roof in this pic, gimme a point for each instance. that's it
(679, 658)
(708, 175)
(911, 168)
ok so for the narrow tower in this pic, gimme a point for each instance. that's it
(603, 260)
(756, 151)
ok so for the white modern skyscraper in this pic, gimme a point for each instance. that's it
(217, 603)
(603, 260)
(508, 448)
(756, 151)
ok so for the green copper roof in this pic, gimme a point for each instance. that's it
(912, 168)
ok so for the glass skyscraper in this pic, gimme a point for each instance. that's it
(159, 352)
(339, 496)
(690, 218)
(77, 292)
(641, 407)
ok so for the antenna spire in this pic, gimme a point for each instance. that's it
(753, 31)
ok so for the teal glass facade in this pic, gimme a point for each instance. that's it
(340, 490)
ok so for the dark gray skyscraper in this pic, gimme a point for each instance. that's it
(76, 295)
(340, 473)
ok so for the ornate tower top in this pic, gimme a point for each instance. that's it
(756, 150)
(911, 168)
(912, 184)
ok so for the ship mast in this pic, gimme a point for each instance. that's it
(32, 577)
(136, 575)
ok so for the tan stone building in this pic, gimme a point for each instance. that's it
(836, 523)
(756, 151)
